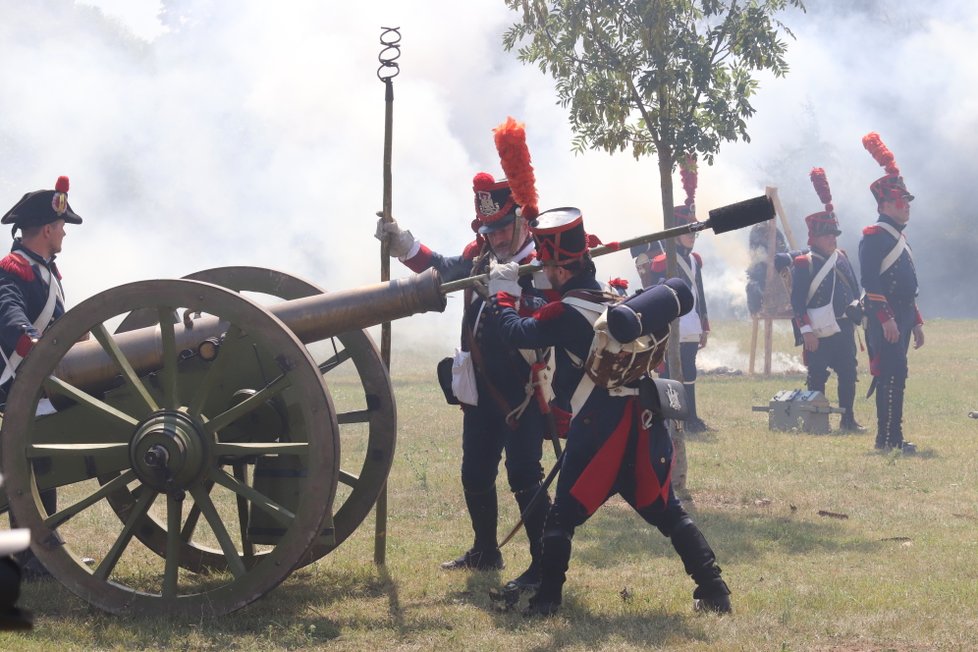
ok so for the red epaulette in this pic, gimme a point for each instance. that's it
(659, 263)
(872, 229)
(550, 311)
(472, 250)
(699, 260)
(801, 261)
(18, 266)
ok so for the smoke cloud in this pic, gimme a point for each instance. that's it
(199, 136)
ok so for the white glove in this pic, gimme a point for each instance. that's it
(399, 241)
(504, 277)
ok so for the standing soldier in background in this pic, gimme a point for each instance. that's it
(824, 298)
(889, 279)
(31, 296)
(501, 413)
(694, 327)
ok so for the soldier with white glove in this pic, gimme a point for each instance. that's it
(504, 277)
(401, 244)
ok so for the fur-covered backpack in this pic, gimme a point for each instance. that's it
(630, 333)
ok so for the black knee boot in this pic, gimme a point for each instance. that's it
(484, 554)
(894, 401)
(882, 411)
(553, 574)
(847, 398)
(533, 522)
(711, 593)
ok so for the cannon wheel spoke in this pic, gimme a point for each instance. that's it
(108, 563)
(174, 513)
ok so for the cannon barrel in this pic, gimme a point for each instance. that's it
(311, 319)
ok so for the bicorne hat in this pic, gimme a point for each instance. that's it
(891, 186)
(823, 222)
(42, 207)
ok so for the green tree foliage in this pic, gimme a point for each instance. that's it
(666, 77)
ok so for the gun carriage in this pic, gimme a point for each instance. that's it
(199, 443)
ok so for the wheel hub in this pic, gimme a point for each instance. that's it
(168, 451)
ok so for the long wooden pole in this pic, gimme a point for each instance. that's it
(390, 38)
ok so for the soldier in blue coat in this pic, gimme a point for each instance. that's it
(889, 279)
(500, 416)
(614, 445)
(824, 298)
(30, 293)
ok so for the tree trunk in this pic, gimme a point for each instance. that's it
(666, 160)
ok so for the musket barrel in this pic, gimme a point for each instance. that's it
(311, 319)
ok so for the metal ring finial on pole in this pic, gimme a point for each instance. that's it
(390, 38)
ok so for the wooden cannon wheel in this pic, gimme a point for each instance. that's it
(158, 440)
(365, 457)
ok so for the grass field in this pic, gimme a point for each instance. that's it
(895, 569)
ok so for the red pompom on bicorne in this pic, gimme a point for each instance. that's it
(62, 184)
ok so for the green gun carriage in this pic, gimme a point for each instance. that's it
(196, 446)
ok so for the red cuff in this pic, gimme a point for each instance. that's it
(920, 319)
(24, 345)
(506, 300)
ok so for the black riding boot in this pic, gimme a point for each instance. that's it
(894, 410)
(847, 398)
(553, 574)
(533, 522)
(883, 397)
(711, 593)
(484, 554)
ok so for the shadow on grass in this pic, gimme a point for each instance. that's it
(618, 535)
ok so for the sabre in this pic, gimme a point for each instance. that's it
(726, 218)
(390, 38)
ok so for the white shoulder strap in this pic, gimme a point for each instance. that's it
(687, 270)
(898, 248)
(822, 273)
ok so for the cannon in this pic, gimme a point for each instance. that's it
(196, 448)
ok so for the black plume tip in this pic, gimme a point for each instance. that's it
(743, 213)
